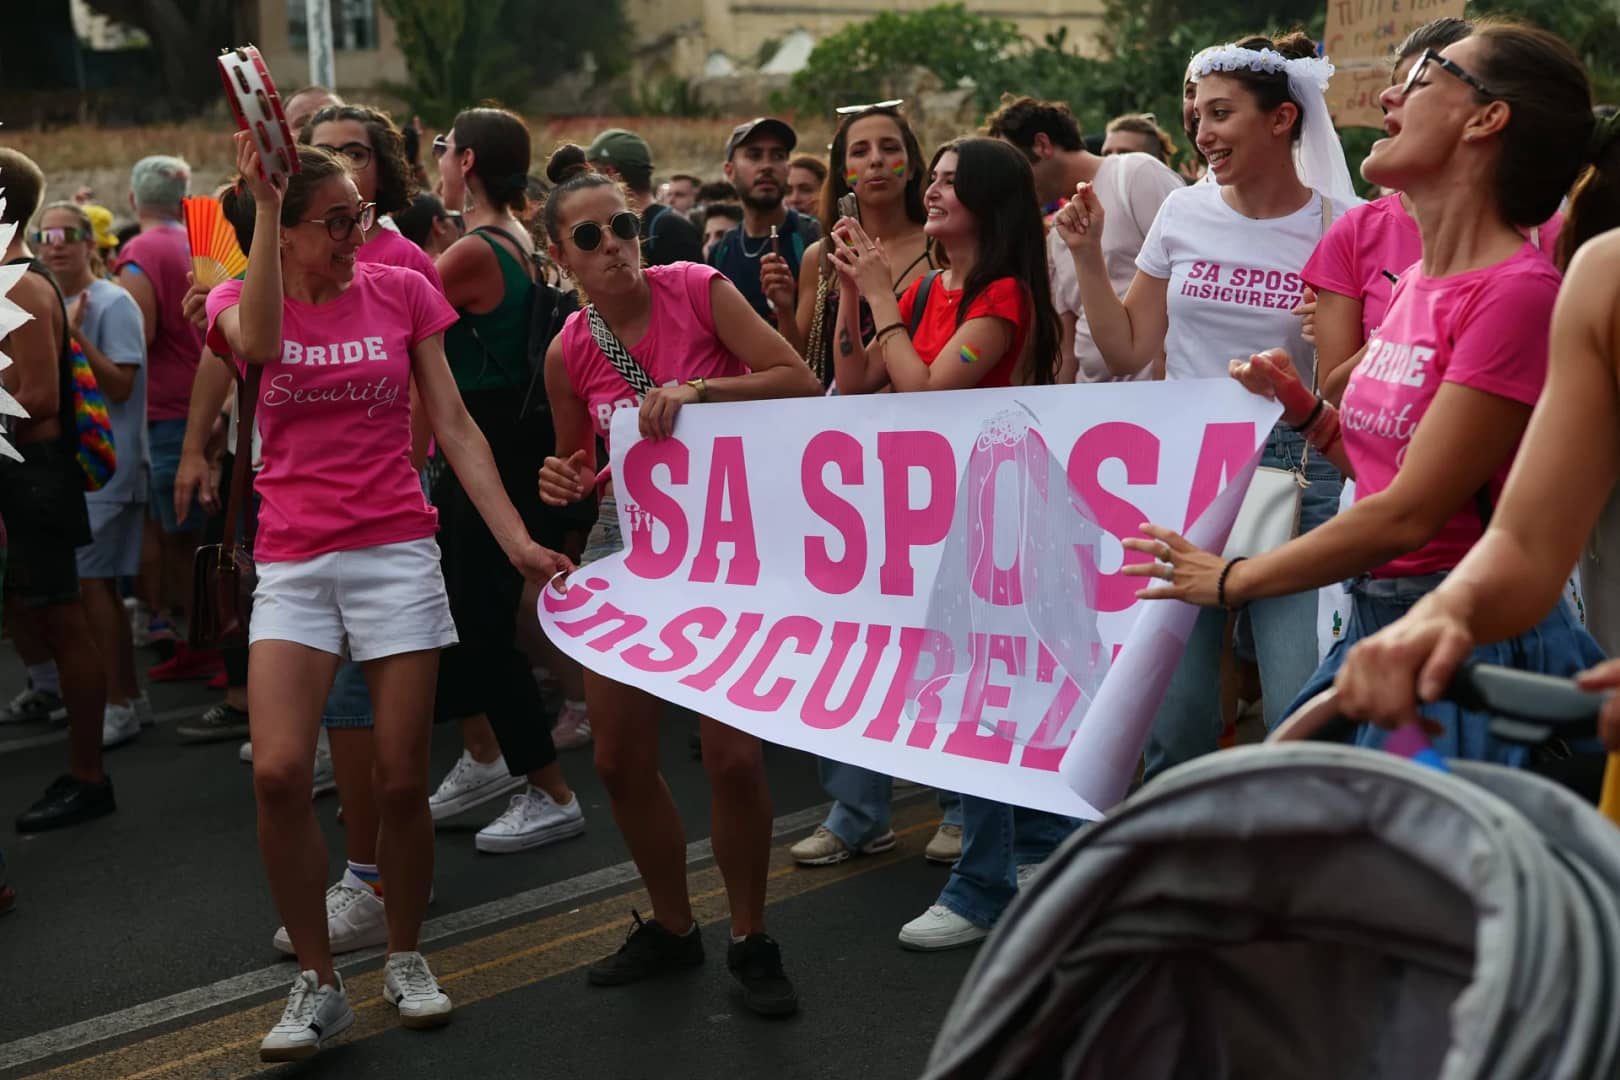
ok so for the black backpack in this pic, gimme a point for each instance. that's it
(549, 308)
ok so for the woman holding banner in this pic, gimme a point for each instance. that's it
(986, 321)
(1484, 139)
(659, 339)
(1219, 276)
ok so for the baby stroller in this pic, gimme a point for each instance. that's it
(1315, 911)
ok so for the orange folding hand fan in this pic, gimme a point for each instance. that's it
(215, 255)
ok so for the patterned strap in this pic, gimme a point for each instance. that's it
(625, 364)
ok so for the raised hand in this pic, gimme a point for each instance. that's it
(1080, 224)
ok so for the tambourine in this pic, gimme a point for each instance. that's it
(258, 109)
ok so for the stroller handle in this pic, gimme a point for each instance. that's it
(1525, 707)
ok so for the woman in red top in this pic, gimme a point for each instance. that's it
(987, 321)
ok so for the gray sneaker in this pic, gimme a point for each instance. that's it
(314, 1013)
(34, 706)
(216, 725)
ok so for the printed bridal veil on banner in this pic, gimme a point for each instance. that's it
(926, 587)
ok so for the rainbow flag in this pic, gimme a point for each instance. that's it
(98, 458)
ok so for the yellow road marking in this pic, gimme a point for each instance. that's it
(483, 967)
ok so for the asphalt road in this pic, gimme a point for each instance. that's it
(140, 945)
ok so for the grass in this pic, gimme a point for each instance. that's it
(101, 159)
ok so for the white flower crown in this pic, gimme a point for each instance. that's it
(1317, 70)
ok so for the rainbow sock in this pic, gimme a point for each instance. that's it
(369, 875)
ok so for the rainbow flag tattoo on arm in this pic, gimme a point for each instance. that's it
(969, 354)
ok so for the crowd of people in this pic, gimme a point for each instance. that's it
(431, 371)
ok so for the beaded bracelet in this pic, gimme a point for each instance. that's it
(1220, 586)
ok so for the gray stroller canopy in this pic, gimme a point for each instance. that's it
(1308, 911)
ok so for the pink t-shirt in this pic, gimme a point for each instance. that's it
(1377, 239)
(680, 344)
(1486, 329)
(163, 254)
(335, 415)
(389, 248)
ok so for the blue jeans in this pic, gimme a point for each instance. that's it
(1188, 723)
(860, 812)
(996, 840)
(164, 439)
(348, 705)
(1558, 645)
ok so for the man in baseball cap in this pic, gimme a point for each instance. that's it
(666, 236)
(757, 165)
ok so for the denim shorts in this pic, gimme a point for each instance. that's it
(605, 538)
(1558, 645)
(348, 703)
(165, 437)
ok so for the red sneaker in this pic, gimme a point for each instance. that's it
(188, 664)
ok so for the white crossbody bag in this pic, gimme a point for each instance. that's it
(1269, 516)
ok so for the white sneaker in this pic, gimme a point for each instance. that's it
(325, 778)
(355, 918)
(34, 706)
(940, 928)
(573, 727)
(314, 1013)
(409, 986)
(245, 753)
(532, 819)
(119, 724)
(143, 709)
(471, 784)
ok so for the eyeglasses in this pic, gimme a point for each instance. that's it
(340, 228)
(588, 234)
(67, 234)
(441, 143)
(1428, 57)
(851, 110)
(359, 154)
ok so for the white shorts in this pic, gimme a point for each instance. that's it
(115, 548)
(382, 600)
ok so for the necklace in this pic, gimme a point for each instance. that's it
(742, 242)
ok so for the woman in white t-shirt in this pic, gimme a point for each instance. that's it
(1219, 274)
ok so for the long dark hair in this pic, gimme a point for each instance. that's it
(396, 180)
(837, 186)
(994, 183)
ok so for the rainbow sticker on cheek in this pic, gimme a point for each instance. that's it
(899, 171)
(969, 355)
(851, 178)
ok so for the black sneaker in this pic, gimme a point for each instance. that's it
(650, 950)
(68, 801)
(216, 725)
(756, 963)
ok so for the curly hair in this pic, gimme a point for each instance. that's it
(1021, 118)
(396, 179)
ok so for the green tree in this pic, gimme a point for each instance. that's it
(459, 52)
(860, 62)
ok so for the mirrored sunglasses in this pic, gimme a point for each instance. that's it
(67, 234)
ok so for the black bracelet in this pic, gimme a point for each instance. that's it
(1321, 403)
(877, 337)
(1220, 586)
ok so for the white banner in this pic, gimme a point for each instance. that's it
(926, 585)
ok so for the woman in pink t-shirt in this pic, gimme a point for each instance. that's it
(1483, 138)
(681, 333)
(1353, 271)
(346, 556)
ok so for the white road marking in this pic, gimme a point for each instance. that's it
(164, 1010)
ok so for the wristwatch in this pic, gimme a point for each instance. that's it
(702, 388)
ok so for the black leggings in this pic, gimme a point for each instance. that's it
(486, 673)
(236, 656)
